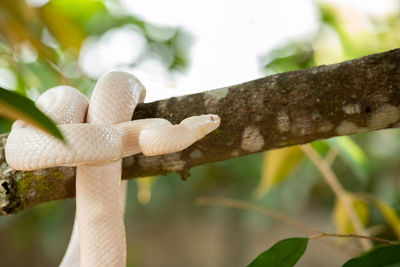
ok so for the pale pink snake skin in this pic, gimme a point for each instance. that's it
(97, 147)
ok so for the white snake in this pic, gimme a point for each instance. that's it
(97, 148)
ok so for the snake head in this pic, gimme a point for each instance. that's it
(203, 124)
(174, 138)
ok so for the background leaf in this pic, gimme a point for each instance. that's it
(379, 257)
(277, 165)
(342, 222)
(144, 186)
(352, 155)
(16, 107)
(66, 31)
(390, 215)
(285, 253)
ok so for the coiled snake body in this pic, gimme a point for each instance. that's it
(97, 147)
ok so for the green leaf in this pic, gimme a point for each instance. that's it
(293, 56)
(352, 154)
(378, 257)
(16, 107)
(5, 125)
(285, 253)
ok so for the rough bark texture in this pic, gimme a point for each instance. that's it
(276, 111)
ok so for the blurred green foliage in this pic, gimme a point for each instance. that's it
(40, 48)
(342, 35)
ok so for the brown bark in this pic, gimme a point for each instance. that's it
(276, 111)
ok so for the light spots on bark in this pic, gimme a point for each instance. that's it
(272, 81)
(352, 109)
(173, 162)
(162, 106)
(316, 116)
(168, 162)
(252, 140)
(257, 101)
(235, 153)
(283, 122)
(347, 127)
(325, 127)
(217, 94)
(180, 98)
(196, 154)
(324, 68)
(384, 116)
(31, 194)
(301, 124)
(380, 97)
(211, 98)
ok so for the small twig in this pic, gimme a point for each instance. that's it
(331, 156)
(377, 239)
(281, 217)
(331, 179)
(378, 203)
(233, 203)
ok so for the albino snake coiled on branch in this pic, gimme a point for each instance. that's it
(98, 136)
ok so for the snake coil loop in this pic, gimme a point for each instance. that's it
(98, 136)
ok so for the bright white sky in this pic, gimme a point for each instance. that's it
(229, 36)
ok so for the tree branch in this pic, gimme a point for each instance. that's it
(280, 110)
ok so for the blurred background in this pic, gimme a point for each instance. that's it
(180, 47)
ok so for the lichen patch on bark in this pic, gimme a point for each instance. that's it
(217, 94)
(196, 154)
(168, 163)
(347, 127)
(252, 140)
(211, 98)
(302, 124)
(352, 109)
(235, 153)
(384, 116)
(325, 127)
(162, 105)
(283, 122)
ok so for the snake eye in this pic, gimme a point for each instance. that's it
(215, 119)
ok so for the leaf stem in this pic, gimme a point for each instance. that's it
(279, 216)
(343, 196)
(377, 239)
